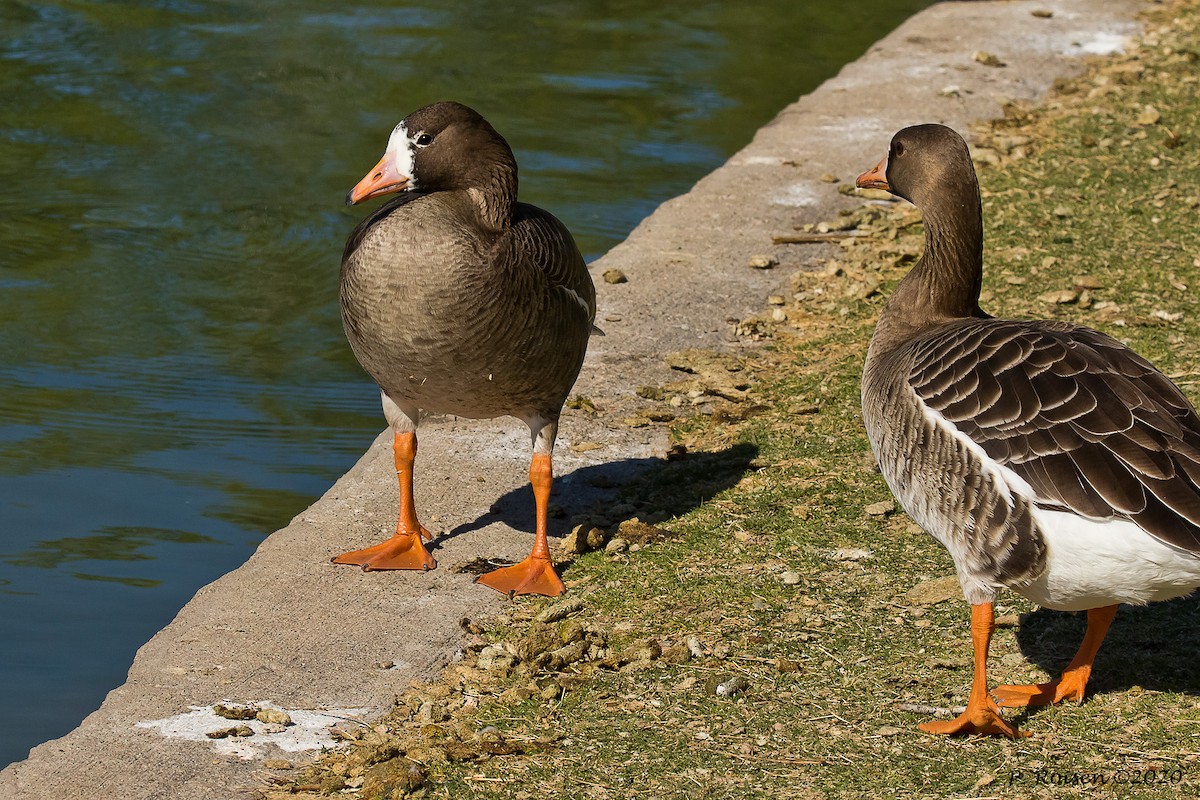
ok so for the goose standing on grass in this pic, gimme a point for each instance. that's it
(1048, 458)
(459, 300)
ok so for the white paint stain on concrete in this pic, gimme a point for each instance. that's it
(798, 194)
(309, 731)
(1102, 44)
(757, 161)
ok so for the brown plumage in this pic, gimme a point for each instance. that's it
(1047, 457)
(458, 299)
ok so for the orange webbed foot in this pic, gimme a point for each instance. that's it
(534, 575)
(402, 551)
(1071, 686)
(982, 719)
(1073, 683)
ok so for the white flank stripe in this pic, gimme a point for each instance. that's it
(1092, 563)
(1089, 562)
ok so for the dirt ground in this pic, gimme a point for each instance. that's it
(290, 630)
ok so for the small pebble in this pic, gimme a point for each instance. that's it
(987, 59)
(851, 554)
(576, 541)
(934, 591)
(947, 663)
(595, 538)
(274, 716)
(614, 276)
(1061, 297)
(240, 731)
(1012, 660)
(880, 509)
(560, 611)
(763, 262)
(734, 686)
(1148, 116)
(646, 650)
(790, 578)
(235, 712)
(489, 733)
(873, 194)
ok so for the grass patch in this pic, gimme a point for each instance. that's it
(784, 637)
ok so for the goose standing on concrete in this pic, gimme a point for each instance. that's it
(459, 300)
(1048, 458)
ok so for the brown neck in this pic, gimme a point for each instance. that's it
(496, 197)
(945, 283)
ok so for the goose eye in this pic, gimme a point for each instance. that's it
(898, 148)
(424, 140)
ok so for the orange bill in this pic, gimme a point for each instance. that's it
(876, 178)
(384, 178)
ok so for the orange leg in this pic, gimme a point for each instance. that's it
(534, 575)
(981, 715)
(1073, 683)
(404, 550)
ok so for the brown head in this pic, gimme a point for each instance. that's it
(442, 147)
(929, 166)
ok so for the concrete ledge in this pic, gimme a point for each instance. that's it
(290, 629)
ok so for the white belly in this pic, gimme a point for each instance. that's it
(1093, 563)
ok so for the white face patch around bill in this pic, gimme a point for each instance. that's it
(400, 147)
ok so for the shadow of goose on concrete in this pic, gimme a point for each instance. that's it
(604, 495)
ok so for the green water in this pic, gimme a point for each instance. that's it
(174, 384)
